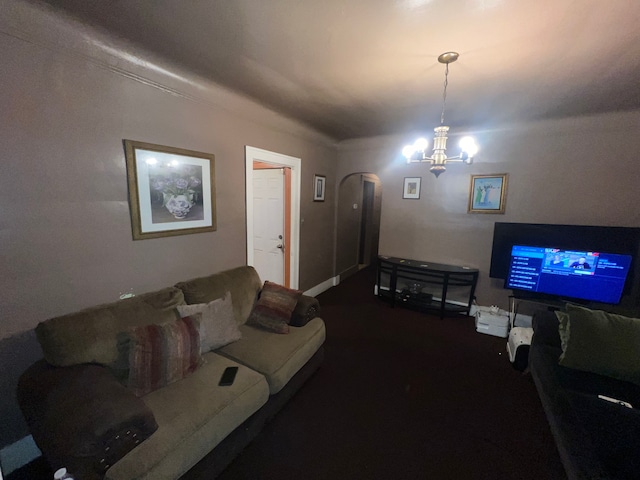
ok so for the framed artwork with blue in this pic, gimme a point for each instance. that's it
(488, 193)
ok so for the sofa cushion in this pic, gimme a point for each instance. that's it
(91, 335)
(602, 343)
(193, 416)
(243, 283)
(218, 326)
(277, 357)
(162, 354)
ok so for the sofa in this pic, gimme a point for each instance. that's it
(575, 356)
(109, 400)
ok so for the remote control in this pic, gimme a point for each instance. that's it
(228, 376)
(615, 400)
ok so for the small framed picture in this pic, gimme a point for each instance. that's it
(488, 193)
(411, 187)
(319, 187)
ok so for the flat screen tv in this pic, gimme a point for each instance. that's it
(622, 240)
(568, 274)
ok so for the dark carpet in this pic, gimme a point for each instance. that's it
(403, 395)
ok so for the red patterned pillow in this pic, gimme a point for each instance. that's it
(274, 307)
(163, 354)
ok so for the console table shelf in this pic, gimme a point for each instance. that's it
(428, 286)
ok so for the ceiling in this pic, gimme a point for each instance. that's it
(361, 68)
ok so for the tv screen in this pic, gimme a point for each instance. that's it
(571, 274)
(623, 240)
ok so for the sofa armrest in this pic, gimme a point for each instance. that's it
(306, 310)
(81, 417)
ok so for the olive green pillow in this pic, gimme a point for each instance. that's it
(602, 343)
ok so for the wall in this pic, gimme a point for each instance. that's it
(69, 96)
(572, 171)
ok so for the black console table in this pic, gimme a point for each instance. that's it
(447, 289)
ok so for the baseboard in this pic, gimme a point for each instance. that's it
(18, 454)
(323, 287)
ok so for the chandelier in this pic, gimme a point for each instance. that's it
(418, 151)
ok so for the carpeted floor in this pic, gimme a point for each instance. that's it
(404, 395)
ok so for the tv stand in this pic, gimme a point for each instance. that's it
(429, 286)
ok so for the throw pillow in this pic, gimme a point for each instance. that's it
(218, 326)
(274, 307)
(162, 354)
(602, 343)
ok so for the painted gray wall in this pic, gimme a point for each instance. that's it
(69, 97)
(581, 171)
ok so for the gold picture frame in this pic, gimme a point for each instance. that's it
(171, 190)
(488, 193)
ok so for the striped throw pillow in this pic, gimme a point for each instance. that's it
(274, 307)
(163, 354)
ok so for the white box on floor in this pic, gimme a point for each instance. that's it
(497, 325)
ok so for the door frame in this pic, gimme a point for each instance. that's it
(277, 160)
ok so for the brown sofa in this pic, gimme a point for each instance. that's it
(83, 417)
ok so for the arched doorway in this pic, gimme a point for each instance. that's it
(358, 222)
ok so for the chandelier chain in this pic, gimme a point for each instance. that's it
(444, 93)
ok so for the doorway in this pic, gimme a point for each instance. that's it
(366, 224)
(358, 222)
(273, 211)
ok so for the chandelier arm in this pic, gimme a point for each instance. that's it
(455, 159)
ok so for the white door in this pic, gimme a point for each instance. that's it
(268, 224)
(292, 250)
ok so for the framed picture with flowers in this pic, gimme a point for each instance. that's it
(171, 190)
